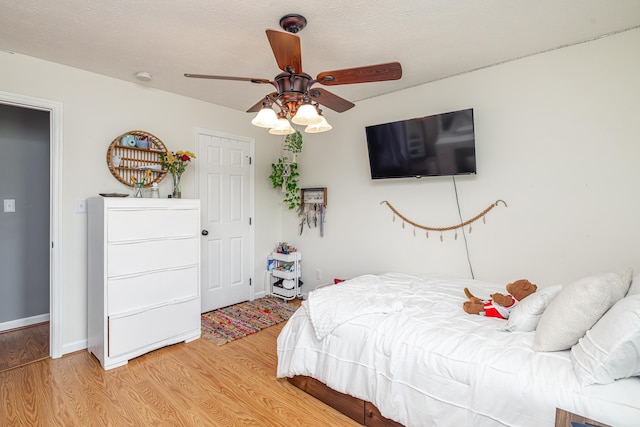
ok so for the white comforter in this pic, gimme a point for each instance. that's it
(404, 343)
(331, 307)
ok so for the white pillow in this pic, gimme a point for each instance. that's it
(575, 310)
(635, 286)
(619, 292)
(526, 314)
(611, 349)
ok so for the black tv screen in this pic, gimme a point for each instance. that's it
(438, 145)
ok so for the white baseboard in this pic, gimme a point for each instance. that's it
(27, 321)
(74, 346)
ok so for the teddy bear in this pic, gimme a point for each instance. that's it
(499, 305)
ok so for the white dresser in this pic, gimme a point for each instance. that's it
(144, 276)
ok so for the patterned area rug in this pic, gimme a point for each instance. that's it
(237, 321)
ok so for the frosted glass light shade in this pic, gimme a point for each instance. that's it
(266, 118)
(323, 126)
(306, 115)
(282, 128)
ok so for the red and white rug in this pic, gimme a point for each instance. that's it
(237, 321)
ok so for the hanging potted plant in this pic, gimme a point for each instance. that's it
(284, 174)
(293, 144)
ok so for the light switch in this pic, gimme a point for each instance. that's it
(9, 205)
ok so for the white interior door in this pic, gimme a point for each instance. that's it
(225, 188)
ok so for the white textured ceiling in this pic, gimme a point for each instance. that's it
(432, 39)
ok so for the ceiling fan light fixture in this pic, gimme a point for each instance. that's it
(323, 126)
(282, 128)
(294, 96)
(266, 118)
(306, 115)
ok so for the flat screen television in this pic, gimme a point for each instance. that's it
(438, 145)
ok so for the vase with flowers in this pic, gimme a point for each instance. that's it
(138, 185)
(176, 163)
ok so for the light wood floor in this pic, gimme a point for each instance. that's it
(24, 345)
(195, 384)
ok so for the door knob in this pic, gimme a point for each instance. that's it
(205, 233)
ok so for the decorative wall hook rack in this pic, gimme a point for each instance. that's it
(312, 210)
(468, 222)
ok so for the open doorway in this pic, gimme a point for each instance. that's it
(24, 227)
(30, 218)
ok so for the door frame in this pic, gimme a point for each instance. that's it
(252, 153)
(55, 209)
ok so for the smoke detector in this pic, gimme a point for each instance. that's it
(143, 76)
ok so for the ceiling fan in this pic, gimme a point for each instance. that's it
(294, 96)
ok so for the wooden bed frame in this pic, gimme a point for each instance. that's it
(358, 410)
(367, 414)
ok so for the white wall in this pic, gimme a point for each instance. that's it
(557, 139)
(97, 109)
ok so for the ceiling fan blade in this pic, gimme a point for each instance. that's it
(330, 100)
(243, 79)
(286, 49)
(371, 73)
(258, 105)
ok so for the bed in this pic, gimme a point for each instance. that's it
(402, 343)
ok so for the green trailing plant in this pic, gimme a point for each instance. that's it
(288, 183)
(293, 142)
(284, 174)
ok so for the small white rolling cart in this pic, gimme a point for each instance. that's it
(285, 276)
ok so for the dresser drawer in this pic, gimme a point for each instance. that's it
(140, 224)
(143, 329)
(140, 257)
(130, 293)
